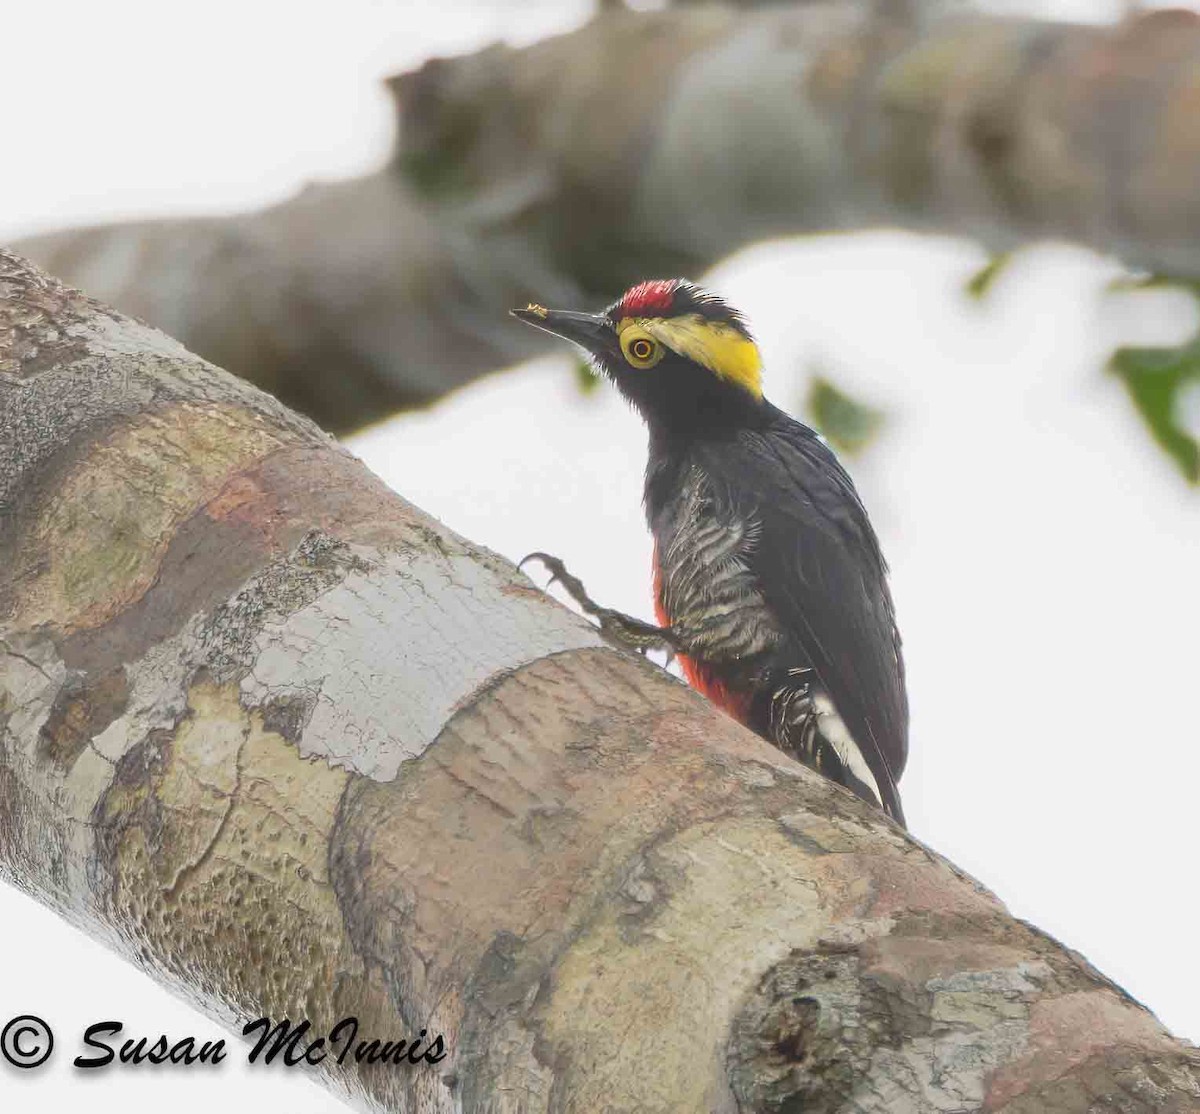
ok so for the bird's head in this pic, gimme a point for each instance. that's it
(681, 355)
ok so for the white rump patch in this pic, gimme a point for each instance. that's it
(834, 730)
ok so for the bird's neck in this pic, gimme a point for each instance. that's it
(679, 446)
(703, 417)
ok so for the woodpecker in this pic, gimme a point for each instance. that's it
(769, 582)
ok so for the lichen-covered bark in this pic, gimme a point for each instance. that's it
(652, 143)
(273, 733)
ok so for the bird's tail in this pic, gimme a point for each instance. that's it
(803, 722)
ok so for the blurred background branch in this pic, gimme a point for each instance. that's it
(656, 143)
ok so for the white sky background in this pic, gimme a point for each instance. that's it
(1044, 553)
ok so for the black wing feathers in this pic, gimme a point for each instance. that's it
(819, 567)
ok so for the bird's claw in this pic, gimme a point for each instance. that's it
(571, 584)
(538, 555)
(552, 564)
(615, 626)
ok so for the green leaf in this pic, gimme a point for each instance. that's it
(981, 281)
(848, 424)
(1146, 280)
(586, 377)
(1155, 379)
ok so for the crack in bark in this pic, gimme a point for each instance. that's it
(232, 798)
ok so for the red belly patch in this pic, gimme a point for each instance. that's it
(699, 676)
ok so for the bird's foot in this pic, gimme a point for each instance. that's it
(615, 626)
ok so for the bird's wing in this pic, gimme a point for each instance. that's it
(820, 570)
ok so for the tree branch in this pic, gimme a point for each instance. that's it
(271, 732)
(655, 143)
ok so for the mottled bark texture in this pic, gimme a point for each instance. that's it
(655, 143)
(285, 741)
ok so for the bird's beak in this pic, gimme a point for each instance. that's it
(590, 331)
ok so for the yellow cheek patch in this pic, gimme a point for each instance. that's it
(713, 344)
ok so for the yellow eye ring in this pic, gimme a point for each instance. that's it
(641, 350)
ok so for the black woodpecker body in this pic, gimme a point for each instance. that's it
(769, 580)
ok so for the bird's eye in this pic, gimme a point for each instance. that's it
(641, 350)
